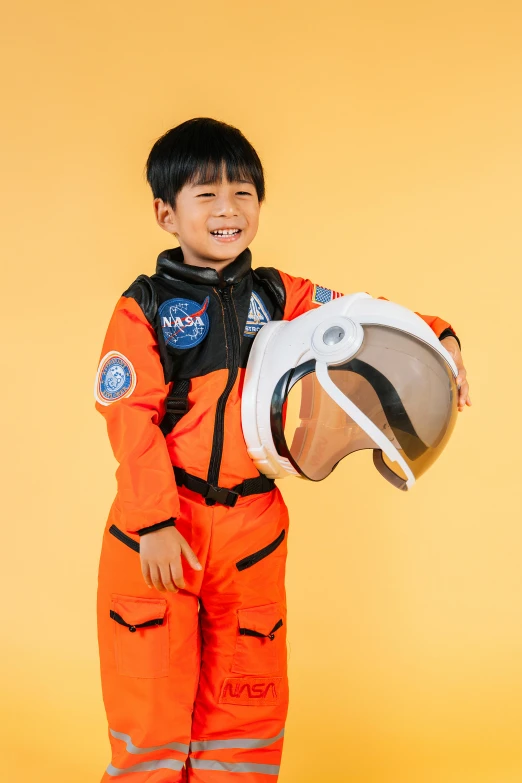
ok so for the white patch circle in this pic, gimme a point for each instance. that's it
(115, 378)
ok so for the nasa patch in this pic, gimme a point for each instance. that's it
(184, 323)
(116, 378)
(257, 316)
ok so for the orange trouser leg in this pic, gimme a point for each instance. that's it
(149, 676)
(242, 698)
(153, 677)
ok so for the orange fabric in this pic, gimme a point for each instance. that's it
(434, 322)
(299, 292)
(178, 670)
(147, 492)
(153, 678)
(190, 443)
(140, 653)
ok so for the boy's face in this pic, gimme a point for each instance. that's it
(203, 209)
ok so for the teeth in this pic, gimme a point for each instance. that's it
(225, 232)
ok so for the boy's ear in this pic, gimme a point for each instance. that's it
(165, 216)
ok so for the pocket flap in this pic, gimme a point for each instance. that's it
(259, 618)
(136, 610)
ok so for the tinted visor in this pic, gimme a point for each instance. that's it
(399, 382)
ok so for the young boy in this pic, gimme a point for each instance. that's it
(193, 658)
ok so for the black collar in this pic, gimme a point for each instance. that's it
(171, 264)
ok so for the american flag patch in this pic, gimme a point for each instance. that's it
(324, 295)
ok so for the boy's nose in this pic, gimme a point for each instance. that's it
(225, 207)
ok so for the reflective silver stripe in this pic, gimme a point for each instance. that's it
(132, 748)
(234, 743)
(225, 766)
(146, 766)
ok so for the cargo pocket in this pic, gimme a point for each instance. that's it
(141, 636)
(258, 645)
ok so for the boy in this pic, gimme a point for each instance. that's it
(193, 660)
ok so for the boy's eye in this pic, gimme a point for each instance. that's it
(239, 193)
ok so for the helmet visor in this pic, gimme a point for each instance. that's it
(402, 385)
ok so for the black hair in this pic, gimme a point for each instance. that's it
(195, 152)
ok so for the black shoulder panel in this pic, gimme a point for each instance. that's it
(271, 280)
(145, 295)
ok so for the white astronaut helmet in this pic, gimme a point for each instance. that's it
(355, 373)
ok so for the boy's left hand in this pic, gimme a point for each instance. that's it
(452, 346)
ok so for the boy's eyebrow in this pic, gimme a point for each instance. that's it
(214, 181)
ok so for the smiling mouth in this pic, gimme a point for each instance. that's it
(226, 234)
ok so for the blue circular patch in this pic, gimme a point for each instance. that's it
(116, 378)
(184, 323)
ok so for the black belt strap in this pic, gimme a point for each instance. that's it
(176, 405)
(223, 495)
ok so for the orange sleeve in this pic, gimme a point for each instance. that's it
(130, 393)
(437, 324)
(299, 295)
(302, 295)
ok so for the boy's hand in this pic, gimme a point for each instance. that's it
(452, 346)
(160, 554)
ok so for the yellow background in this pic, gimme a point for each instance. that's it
(391, 137)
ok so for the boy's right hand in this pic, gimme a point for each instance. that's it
(160, 554)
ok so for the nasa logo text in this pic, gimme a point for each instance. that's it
(184, 323)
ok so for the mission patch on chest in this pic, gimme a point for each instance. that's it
(258, 315)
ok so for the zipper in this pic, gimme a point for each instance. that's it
(250, 560)
(232, 341)
(117, 533)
